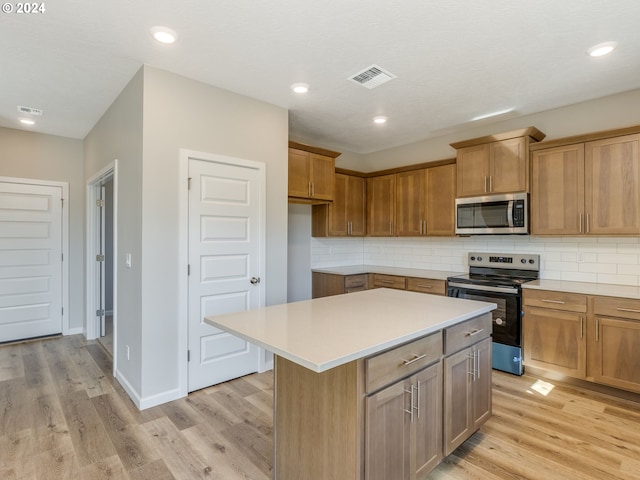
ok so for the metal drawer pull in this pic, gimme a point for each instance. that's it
(473, 332)
(386, 281)
(620, 309)
(425, 286)
(414, 359)
(559, 302)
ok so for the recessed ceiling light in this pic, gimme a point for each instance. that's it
(380, 120)
(27, 121)
(300, 87)
(492, 114)
(602, 49)
(164, 34)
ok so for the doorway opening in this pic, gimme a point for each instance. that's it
(101, 255)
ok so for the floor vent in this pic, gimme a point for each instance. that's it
(372, 77)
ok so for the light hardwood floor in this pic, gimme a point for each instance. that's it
(63, 416)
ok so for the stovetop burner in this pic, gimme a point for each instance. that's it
(511, 270)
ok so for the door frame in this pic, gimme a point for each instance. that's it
(94, 184)
(183, 251)
(66, 330)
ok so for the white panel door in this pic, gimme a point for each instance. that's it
(30, 261)
(225, 235)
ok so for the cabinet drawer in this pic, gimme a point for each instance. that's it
(426, 285)
(572, 302)
(389, 281)
(387, 367)
(467, 333)
(617, 307)
(352, 282)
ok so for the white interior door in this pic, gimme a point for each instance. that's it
(30, 261)
(226, 239)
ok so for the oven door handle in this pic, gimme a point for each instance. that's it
(483, 288)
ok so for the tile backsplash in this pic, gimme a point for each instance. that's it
(583, 259)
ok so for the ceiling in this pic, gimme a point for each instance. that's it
(454, 60)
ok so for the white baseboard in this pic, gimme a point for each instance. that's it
(75, 331)
(147, 402)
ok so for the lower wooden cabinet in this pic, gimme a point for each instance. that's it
(328, 284)
(467, 393)
(404, 427)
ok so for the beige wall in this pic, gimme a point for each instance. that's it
(118, 135)
(46, 157)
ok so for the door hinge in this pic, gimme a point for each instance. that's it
(62, 257)
(188, 269)
(62, 311)
(188, 355)
(189, 183)
(99, 258)
(100, 203)
(100, 313)
(62, 202)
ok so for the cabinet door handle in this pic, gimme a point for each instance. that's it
(581, 327)
(309, 189)
(580, 223)
(412, 402)
(418, 409)
(490, 183)
(414, 359)
(477, 364)
(559, 302)
(620, 309)
(485, 184)
(390, 227)
(473, 332)
(588, 227)
(597, 330)
(472, 357)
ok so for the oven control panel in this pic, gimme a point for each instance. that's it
(505, 260)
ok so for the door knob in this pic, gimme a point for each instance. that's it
(255, 280)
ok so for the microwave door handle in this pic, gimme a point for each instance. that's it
(510, 204)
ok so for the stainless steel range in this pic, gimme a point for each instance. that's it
(498, 278)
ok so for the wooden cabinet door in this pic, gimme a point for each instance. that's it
(426, 431)
(440, 200)
(614, 351)
(299, 173)
(555, 340)
(322, 173)
(557, 191)
(508, 168)
(381, 197)
(338, 220)
(388, 434)
(473, 170)
(457, 400)
(357, 206)
(410, 197)
(612, 186)
(482, 384)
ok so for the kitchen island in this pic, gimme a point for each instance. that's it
(360, 380)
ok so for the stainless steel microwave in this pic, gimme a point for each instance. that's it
(493, 215)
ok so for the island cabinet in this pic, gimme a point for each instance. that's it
(614, 344)
(346, 216)
(381, 202)
(586, 188)
(467, 380)
(425, 201)
(311, 172)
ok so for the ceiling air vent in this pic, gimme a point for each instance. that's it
(372, 77)
(30, 111)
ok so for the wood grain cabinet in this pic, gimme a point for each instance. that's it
(346, 215)
(554, 331)
(328, 284)
(467, 380)
(381, 205)
(403, 421)
(311, 176)
(615, 342)
(425, 201)
(495, 164)
(588, 188)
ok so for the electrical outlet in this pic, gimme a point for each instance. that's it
(127, 349)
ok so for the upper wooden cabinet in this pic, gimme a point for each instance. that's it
(441, 198)
(346, 216)
(381, 201)
(311, 174)
(495, 164)
(590, 188)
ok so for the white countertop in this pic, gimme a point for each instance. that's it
(404, 272)
(327, 332)
(586, 288)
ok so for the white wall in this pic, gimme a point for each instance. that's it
(183, 113)
(299, 253)
(46, 157)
